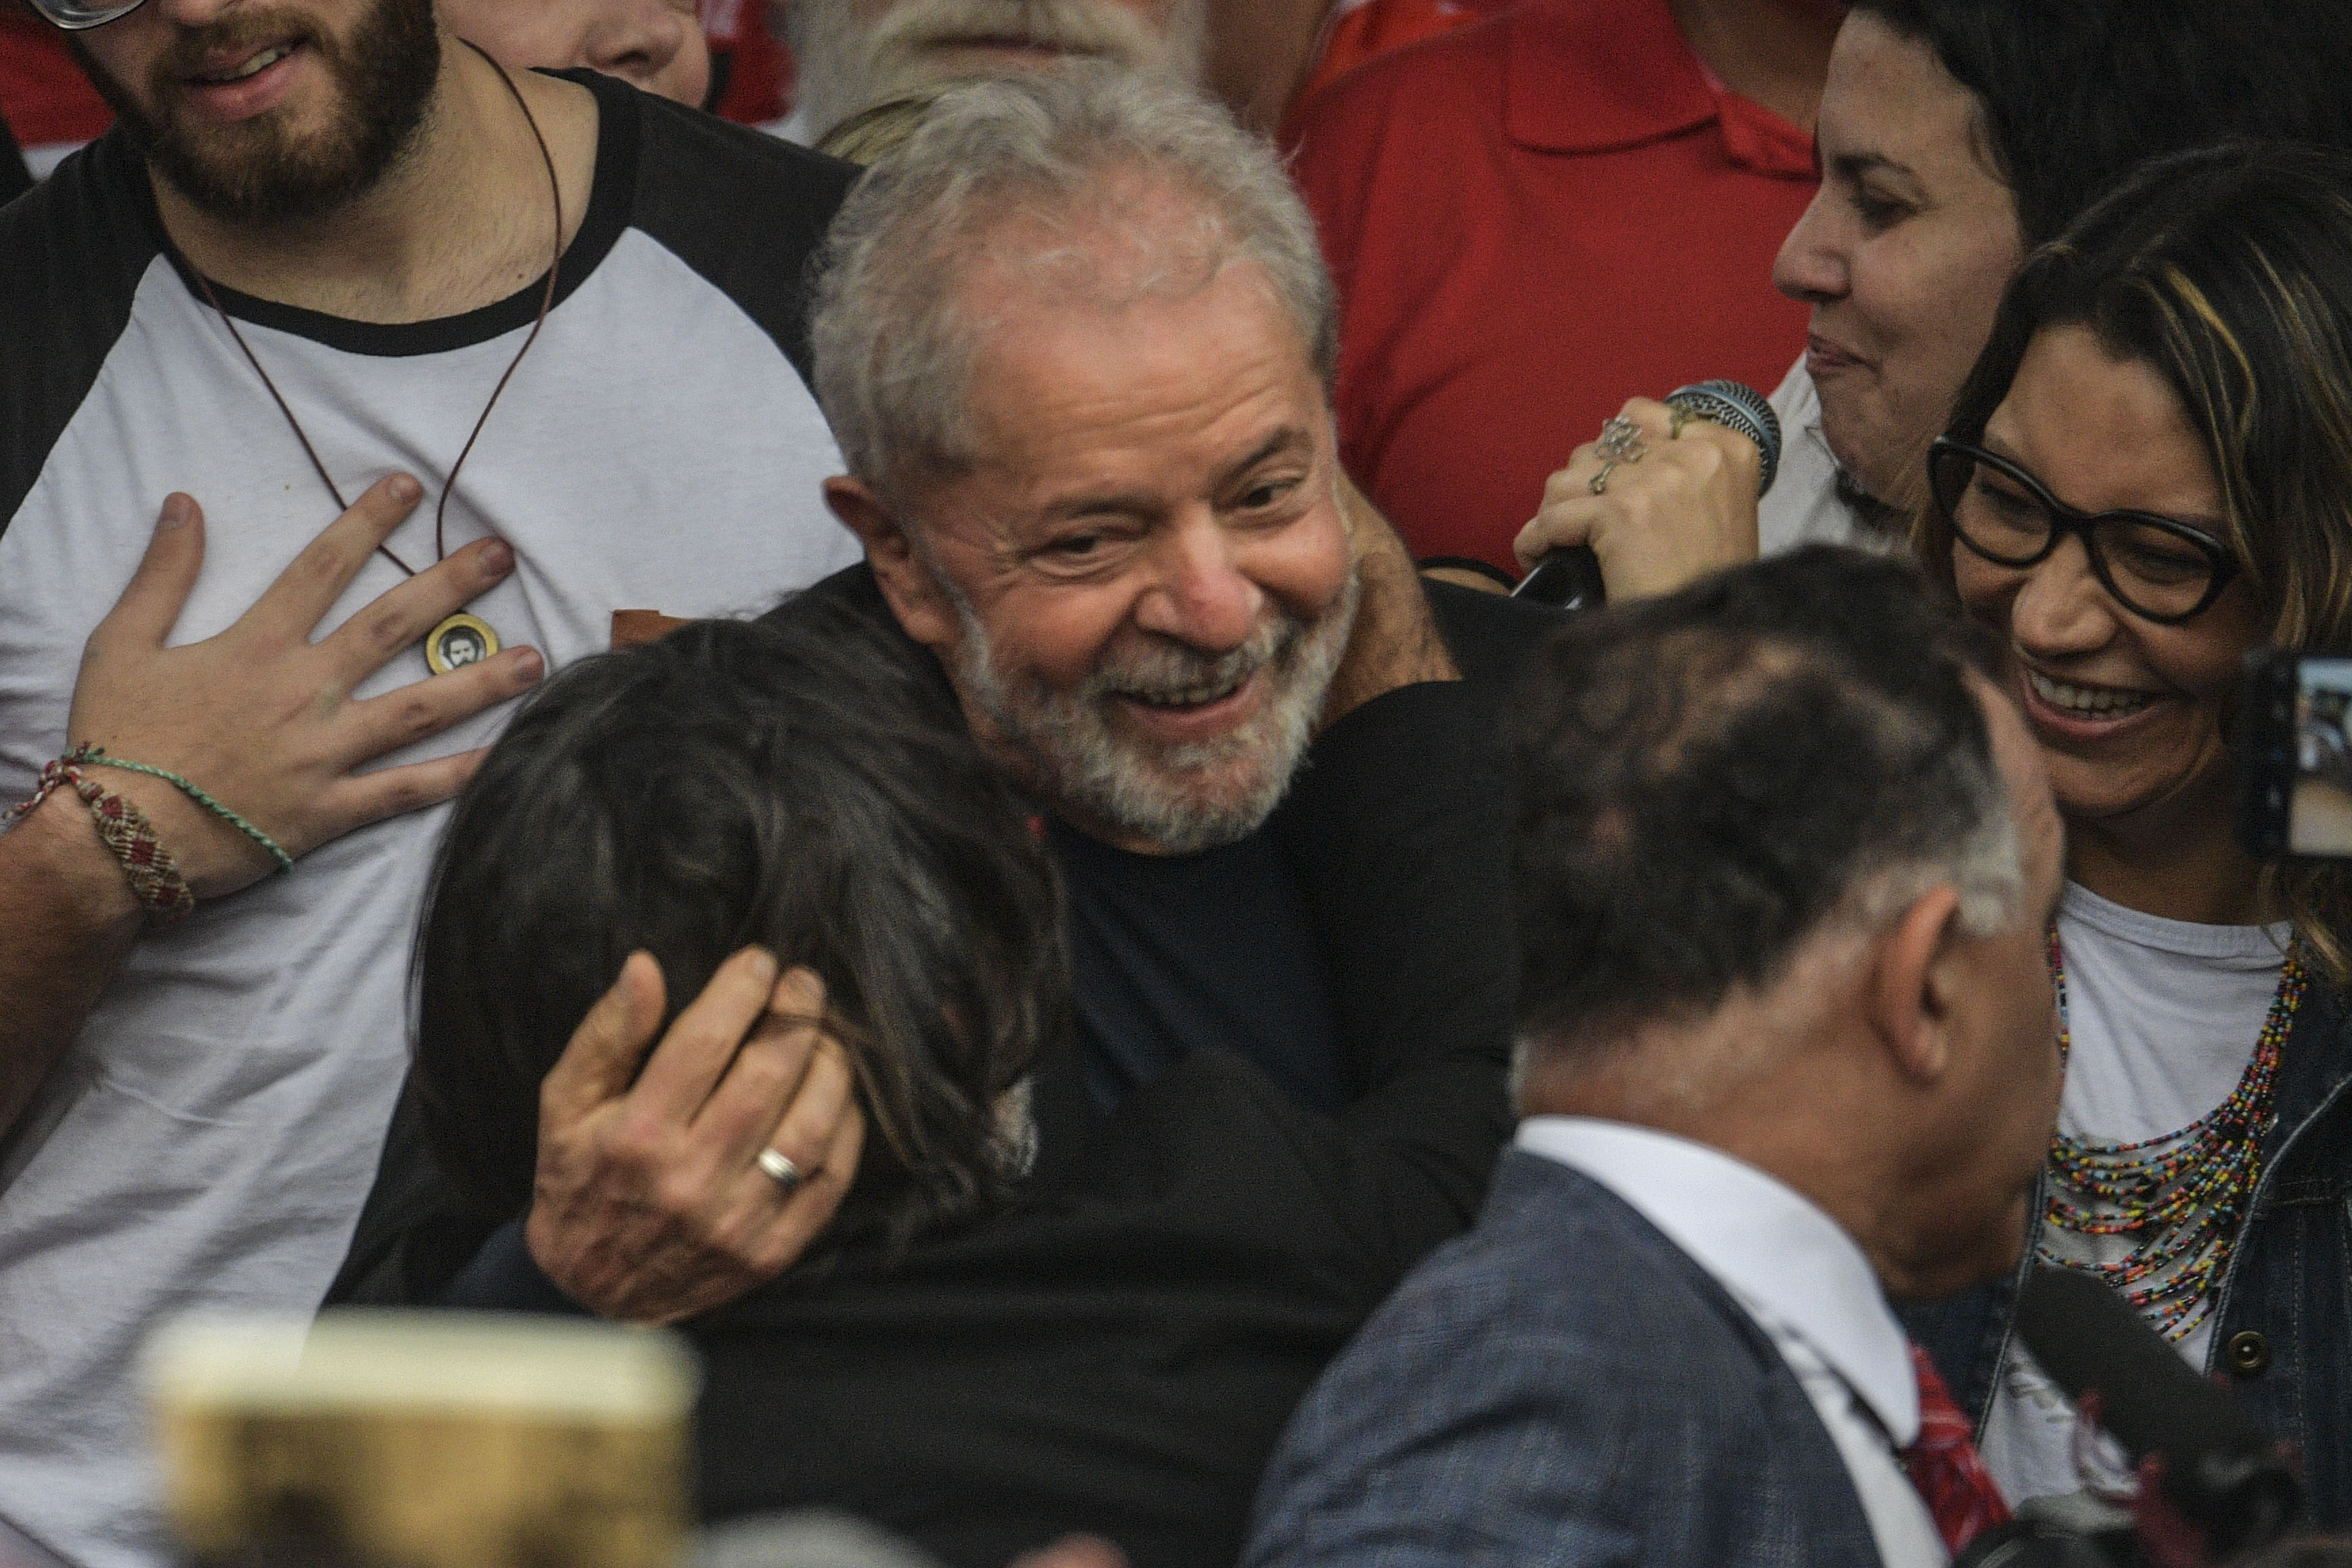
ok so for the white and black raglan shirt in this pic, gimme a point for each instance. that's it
(210, 1137)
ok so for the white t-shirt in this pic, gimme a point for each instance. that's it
(2163, 1017)
(212, 1132)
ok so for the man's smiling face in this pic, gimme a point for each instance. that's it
(268, 114)
(1144, 586)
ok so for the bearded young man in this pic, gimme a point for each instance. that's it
(319, 256)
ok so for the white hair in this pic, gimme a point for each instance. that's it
(1061, 178)
(1985, 864)
(847, 62)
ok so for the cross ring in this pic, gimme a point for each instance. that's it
(1600, 485)
(1623, 441)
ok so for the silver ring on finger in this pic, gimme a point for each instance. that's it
(780, 1169)
(1623, 441)
(1600, 485)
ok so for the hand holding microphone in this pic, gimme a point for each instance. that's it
(1667, 494)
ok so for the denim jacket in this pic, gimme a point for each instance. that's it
(2283, 1338)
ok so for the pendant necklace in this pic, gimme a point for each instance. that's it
(462, 639)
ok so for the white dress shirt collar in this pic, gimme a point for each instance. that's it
(1760, 1239)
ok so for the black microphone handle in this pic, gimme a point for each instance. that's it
(1569, 578)
(2220, 1470)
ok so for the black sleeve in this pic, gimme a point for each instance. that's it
(414, 1234)
(72, 252)
(1489, 635)
(1396, 829)
(16, 179)
(746, 210)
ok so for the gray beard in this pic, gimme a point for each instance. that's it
(1170, 797)
(842, 65)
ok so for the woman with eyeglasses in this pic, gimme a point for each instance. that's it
(2147, 476)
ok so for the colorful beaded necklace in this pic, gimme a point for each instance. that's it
(2179, 1197)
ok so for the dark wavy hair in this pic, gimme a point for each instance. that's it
(806, 783)
(2072, 95)
(2229, 270)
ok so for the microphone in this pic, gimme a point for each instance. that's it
(1569, 578)
(2217, 1468)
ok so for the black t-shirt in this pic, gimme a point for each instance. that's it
(1171, 953)
(1120, 1354)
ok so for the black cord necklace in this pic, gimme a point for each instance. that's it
(462, 639)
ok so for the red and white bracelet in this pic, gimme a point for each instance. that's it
(155, 880)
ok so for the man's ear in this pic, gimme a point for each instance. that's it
(914, 597)
(1915, 986)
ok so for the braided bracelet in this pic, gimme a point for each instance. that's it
(155, 880)
(87, 754)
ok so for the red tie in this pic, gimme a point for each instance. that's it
(1959, 1492)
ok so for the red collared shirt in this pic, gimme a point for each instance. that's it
(43, 95)
(1531, 220)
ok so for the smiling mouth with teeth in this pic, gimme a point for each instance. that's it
(260, 62)
(2087, 702)
(1197, 696)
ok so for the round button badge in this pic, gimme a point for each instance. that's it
(460, 640)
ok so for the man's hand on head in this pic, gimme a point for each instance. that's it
(261, 716)
(650, 1203)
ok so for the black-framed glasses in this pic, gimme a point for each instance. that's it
(80, 15)
(2156, 567)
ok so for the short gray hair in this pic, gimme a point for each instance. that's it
(894, 346)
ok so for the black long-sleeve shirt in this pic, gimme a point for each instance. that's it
(1119, 1353)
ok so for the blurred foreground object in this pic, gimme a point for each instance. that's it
(439, 1441)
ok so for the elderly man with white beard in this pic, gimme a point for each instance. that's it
(852, 54)
(1075, 340)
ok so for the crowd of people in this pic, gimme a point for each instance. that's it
(895, 737)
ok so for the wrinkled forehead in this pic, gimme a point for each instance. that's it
(1123, 238)
(1125, 242)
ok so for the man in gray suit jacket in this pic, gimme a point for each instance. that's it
(1785, 857)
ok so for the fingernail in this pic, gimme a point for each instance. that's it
(498, 558)
(406, 489)
(800, 991)
(528, 664)
(177, 509)
(763, 965)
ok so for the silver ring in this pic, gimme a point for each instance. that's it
(1623, 441)
(1600, 485)
(786, 1175)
